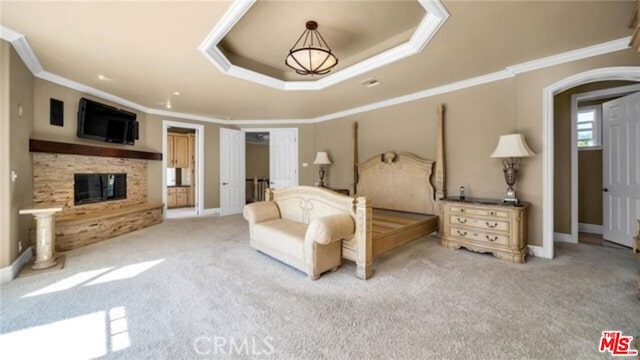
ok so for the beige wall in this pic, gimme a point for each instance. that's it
(475, 118)
(562, 153)
(590, 187)
(17, 90)
(257, 161)
(45, 90)
(6, 257)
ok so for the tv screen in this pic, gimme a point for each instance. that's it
(106, 123)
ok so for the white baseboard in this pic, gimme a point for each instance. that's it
(562, 237)
(209, 212)
(536, 251)
(590, 228)
(10, 272)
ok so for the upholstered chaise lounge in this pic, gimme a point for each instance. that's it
(302, 227)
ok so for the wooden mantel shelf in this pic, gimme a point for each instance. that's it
(53, 147)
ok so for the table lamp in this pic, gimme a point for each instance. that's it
(322, 159)
(511, 147)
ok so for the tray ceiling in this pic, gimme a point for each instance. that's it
(252, 38)
(150, 50)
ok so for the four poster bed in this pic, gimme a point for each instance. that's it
(402, 204)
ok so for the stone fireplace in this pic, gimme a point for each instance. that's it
(103, 190)
(92, 188)
(54, 181)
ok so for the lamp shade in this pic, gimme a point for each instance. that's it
(513, 145)
(322, 158)
(311, 55)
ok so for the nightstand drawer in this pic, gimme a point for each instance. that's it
(495, 225)
(479, 211)
(480, 236)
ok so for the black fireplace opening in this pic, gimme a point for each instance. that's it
(91, 188)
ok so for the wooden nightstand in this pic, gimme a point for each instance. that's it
(486, 226)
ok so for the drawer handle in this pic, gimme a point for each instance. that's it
(462, 221)
(491, 226)
(461, 210)
(462, 233)
(492, 213)
(495, 238)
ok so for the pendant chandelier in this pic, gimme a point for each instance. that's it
(311, 55)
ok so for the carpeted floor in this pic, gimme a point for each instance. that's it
(193, 288)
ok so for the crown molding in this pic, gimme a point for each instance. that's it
(484, 79)
(21, 45)
(57, 79)
(565, 57)
(436, 15)
(27, 55)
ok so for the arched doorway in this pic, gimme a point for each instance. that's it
(630, 73)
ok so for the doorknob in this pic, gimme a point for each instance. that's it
(224, 183)
(605, 189)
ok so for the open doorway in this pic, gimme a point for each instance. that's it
(182, 169)
(598, 217)
(549, 137)
(282, 164)
(257, 166)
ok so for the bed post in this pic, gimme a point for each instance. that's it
(441, 190)
(364, 240)
(354, 159)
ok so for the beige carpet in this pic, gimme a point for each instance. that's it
(193, 288)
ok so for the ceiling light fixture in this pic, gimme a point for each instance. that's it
(176, 93)
(311, 55)
(168, 105)
(103, 77)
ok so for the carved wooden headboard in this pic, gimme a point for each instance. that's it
(401, 181)
(398, 181)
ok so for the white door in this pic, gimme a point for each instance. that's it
(283, 158)
(232, 169)
(621, 163)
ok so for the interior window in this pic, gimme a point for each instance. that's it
(589, 125)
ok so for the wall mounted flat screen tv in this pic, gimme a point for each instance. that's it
(106, 123)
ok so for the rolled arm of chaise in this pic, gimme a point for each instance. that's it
(261, 211)
(328, 229)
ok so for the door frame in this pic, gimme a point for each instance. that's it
(297, 153)
(629, 73)
(575, 99)
(199, 149)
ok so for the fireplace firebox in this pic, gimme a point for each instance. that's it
(91, 188)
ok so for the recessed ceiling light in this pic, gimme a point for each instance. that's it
(168, 105)
(103, 77)
(176, 93)
(370, 83)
